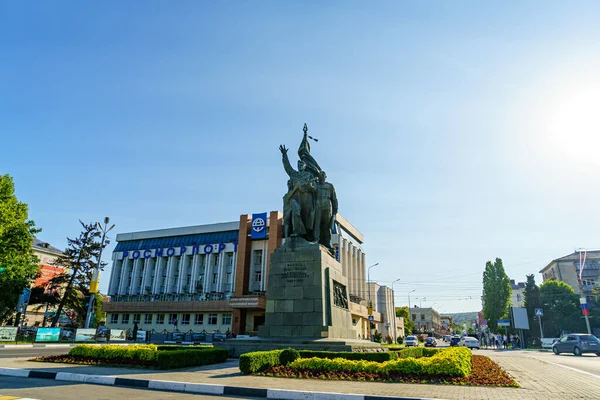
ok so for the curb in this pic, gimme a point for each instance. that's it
(196, 388)
(31, 346)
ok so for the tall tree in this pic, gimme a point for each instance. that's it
(562, 312)
(78, 261)
(496, 293)
(18, 265)
(532, 301)
(409, 325)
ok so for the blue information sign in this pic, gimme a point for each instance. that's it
(259, 226)
(539, 312)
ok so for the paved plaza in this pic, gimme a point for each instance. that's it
(541, 376)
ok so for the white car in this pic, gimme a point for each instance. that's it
(470, 342)
(411, 341)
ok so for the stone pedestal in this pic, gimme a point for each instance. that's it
(307, 294)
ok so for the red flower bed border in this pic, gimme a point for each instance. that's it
(116, 362)
(485, 373)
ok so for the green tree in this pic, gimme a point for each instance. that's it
(532, 301)
(78, 261)
(409, 325)
(18, 265)
(562, 312)
(496, 293)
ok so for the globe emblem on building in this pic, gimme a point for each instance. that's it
(258, 224)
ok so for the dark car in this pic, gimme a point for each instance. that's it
(577, 343)
(454, 341)
(430, 342)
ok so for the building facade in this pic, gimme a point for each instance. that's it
(34, 316)
(382, 298)
(214, 277)
(568, 269)
(427, 320)
(517, 297)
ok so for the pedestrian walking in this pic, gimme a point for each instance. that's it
(504, 342)
(518, 341)
(135, 331)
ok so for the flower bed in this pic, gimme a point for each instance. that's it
(484, 372)
(142, 356)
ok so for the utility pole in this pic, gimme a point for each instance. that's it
(96, 275)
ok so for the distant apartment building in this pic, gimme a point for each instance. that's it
(427, 320)
(446, 322)
(47, 254)
(569, 268)
(517, 297)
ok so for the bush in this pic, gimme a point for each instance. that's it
(378, 357)
(188, 358)
(448, 362)
(151, 355)
(400, 340)
(377, 337)
(414, 352)
(257, 361)
(146, 352)
(287, 356)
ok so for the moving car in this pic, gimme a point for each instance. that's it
(411, 341)
(470, 342)
(577, 343)
(430, 342)
(455, 340)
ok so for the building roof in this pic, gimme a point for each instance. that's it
(44, 246)
(593, 254)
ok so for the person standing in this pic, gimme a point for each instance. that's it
(135, 331)
(504, 342)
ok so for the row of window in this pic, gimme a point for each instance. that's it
(173, 319)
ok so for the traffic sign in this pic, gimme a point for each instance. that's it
(371, 318)
(504, 322)
(539, 312)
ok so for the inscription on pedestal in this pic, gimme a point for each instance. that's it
(295, 272)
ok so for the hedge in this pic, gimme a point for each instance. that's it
(190, 358)
(417, 352)
(259, 360)
(158, 356)
(146, 352)
(448, 362)
(378, 357)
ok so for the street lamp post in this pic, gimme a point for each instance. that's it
(370, 305)
(96, 275)
(394, 307)
(414, 290)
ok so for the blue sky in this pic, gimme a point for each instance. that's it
(454, 132)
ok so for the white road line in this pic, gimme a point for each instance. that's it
(573, 369)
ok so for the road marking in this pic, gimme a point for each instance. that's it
(8, 397)
(573, 369)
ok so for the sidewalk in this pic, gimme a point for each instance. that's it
(539, 380)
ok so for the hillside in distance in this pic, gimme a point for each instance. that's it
(459, 318)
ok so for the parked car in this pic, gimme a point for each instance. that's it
(446, 338)
(577, 343)
(411, 341)
(430, 342)
(470, 342)
(455, 340)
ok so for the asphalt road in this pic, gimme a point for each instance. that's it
(586, 364)
(46, 389)
(32, 352)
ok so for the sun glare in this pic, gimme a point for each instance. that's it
(572, 124)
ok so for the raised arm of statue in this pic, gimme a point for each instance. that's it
(286, 161)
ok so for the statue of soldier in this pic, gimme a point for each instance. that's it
(301, 197)
(326, 209)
